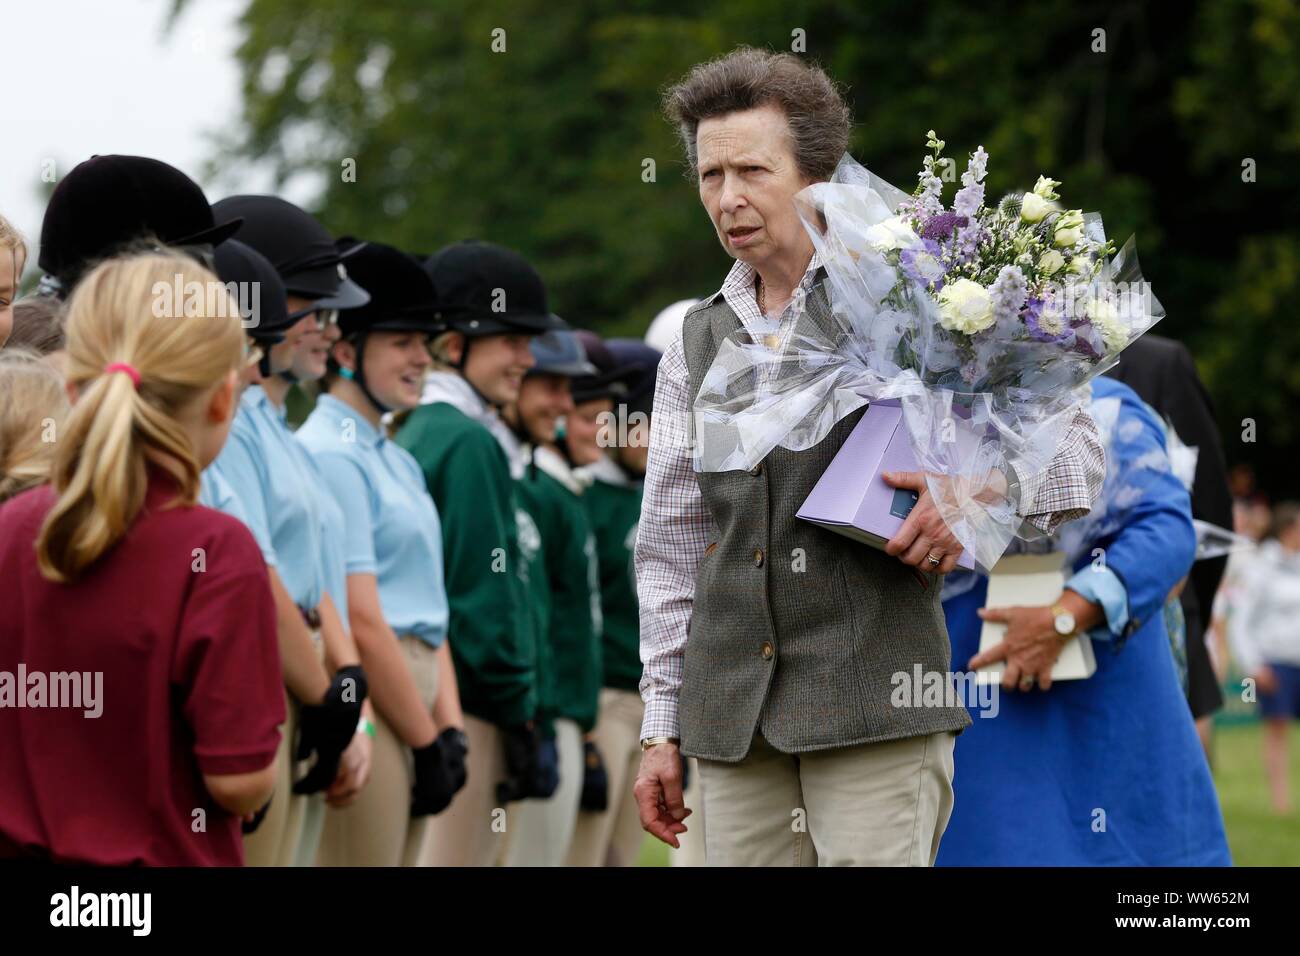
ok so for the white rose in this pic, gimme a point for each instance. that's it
(965, 306)
(1034, 207)
(1046, 188)
(1051, 262)
(1068, 228)
(1081, 266)
(892, 233)
(1104, 318)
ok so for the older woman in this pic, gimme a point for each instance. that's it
(783, 688)
(1108, 770)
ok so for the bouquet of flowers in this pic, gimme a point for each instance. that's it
(985, 322)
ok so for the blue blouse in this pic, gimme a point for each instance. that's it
(280, 494)
(392, 529)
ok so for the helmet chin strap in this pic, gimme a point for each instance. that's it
(459, 366)
(358, 378)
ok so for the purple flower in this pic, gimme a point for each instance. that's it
(923, 264)
(942, 225)
(1045, 324)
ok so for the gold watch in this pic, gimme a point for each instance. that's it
(1063, 622)
(655, 741)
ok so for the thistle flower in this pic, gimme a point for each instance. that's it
(942, 225)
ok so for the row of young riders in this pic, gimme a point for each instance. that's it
(405, 633)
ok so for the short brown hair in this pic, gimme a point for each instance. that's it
(747, 78)
(38, 324)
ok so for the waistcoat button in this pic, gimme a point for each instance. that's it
(758, 557)
(768, 650)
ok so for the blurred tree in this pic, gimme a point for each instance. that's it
(541, 137)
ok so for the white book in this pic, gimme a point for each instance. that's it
(1031, 580)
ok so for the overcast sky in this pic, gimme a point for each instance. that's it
(86, 77)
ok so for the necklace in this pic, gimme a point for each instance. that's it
(762, 298)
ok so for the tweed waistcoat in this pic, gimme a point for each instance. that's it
(798, 632)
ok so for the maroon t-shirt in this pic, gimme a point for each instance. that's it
(179, 621)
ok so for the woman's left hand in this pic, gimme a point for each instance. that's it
(1030, 646)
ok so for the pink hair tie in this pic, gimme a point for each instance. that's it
(112, 367)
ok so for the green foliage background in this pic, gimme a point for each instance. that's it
(542, 146)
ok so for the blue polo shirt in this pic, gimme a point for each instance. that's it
(281, 496)
(392, 525)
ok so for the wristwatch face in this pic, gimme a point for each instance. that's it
(1065, 623)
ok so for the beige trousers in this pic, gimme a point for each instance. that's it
(470, 831)
(377, 829)
(883, 804)
(267, 845)
(539, 832)
(287, 835)
(613, 837)
(691, 851)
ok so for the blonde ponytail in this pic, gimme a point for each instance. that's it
(32, 408)
(122, 312)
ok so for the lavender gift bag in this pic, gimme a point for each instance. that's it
(851, 498)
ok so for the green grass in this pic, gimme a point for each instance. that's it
(653, 853)
(1257, 835)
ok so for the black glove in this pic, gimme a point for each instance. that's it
(439, 772)
(455, 748)
(546, 769)
(327, 728)
(521, 762)
(595, 781)
(248, 826)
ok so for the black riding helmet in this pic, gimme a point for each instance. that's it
(486, 289)
(611, 377)
(401, 300)
(303, 252)
(109, 202)
(641, 365)
(260, 295)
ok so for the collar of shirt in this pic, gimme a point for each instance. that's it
(339, 412)
(255, 399)
(739, 292)
(606, 469)
(451, 388)
(553, 463)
